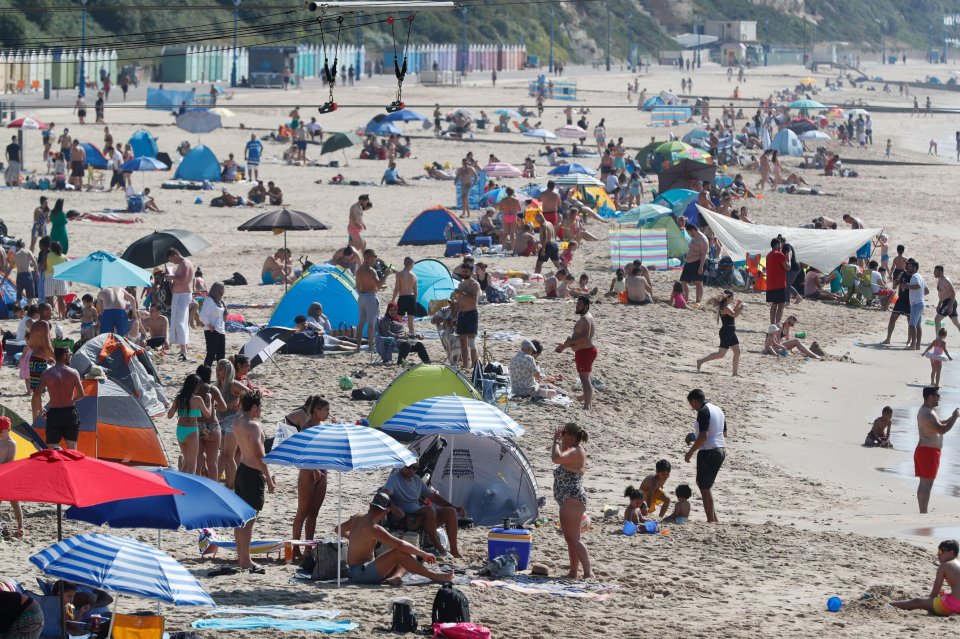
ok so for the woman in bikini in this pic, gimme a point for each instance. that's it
(571, 460)
(208, 429)
(231, 390)
(189, 407)
(311, 484)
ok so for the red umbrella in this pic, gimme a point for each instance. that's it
(27, 123)
(70, 477)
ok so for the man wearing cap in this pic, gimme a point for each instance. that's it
(63, 382)
(365, 532)
(584, 351)
(8, 453)
(406, 489)
(355, 225)
(526, 380)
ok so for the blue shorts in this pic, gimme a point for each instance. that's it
(365, 574)
(267, 278)
(916, 314)
(114, 320)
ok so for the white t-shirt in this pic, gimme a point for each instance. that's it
(916, 294)
(876, 281)
(613, 183)
(711, 419)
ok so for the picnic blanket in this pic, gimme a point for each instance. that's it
(282, 612)
(568, 588)
(251, 623)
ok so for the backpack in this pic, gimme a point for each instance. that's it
(365, 394)
(236, 280)
(450, 605)
(404, 617)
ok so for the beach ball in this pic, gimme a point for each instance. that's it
(346, 383)
(834, 604)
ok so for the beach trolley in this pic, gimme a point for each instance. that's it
(500, 541)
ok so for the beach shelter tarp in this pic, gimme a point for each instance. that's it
(599, 200)
(416, 383)
(492, 478)
(94, 156)
(168, 100)
(144, 144)
(824, 250)
(647, 157)
(198, 165)
(331, 286)
(114, 427)
(434, 282)
(124, 363)
(428, 227)
(647, 245)
(27, 440)
(787, 143)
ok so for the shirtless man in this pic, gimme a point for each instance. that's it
(940, 603)
(549, 249)
(899, 264)
(41, 354)
(41, 217)
(157, 327)
(584, 352)
(947, 304)
(526, 242)
(181, 284)
(510, 210)
(27, 272)
(550, 200)
(252, 474)
(368, 283)
(274, 194)
(346, 258)
(693, 266)
(258, 194)
(926, 457)
(639, 291)
(355, 225)
(276, 268)
(468, 319)
(405, 293)
(63, 382)
(365, 532)
(112, 308)
(466, 177)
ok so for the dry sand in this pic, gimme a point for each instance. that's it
(805, 514)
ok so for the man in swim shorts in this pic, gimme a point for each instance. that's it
(63, 382)
(947, 299)
(253, 476)
(939, 602)
(41, 354)
(468, 317)
(405, 293)
(365, 532)
(584, 351)
(926, 457)
(355, 225)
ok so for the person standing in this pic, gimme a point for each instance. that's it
(124, 85)
(190, 408)
(251, 155)
(510, 211)
(584, 351)
(12, 174)
(112, 305)
(98, 107)
(468, 319)
(368, 283)
(926, 456)
(78, 158)
(727, 314)
(778, 265)
(947, 298)
(710, 447)
(181, 284)
(405, 293)
(63, 382)
(570, 458)
(47, 136)
(27, 270)
(355, 225)
(465, 178)
(214, 332)
(58, 226)
(693, 267)
(54, 288)
(918, 289)
(252, 474)
(41, 215)
(41, 354)
(550, 201)
(311, 484)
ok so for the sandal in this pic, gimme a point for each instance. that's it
(257, 569)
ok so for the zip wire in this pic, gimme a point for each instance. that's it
(330, 75)
(399, 71)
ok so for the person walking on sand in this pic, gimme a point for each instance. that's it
(570, 458)
(946, 299)
(778, 265)
(40, 344)
(252, 474)
(710, 447)
(948, 570)
(181, 284)
(584, 350)
(918, 289)
(355, 225)
(693, 267)
(727, 313)
(926, 456)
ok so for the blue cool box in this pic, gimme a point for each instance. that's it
(502, 540)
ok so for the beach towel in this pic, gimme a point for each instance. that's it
(568, 589)
(209, 543)
(252, 623)
(282, 612)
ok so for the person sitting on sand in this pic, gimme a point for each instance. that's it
(940, 603)
(636, 510)
(782, 343)
(315, 320)
(564, 284)
(526, 378)
(258, 194)
(406, 489)
(879, 435)
(813, 282)
(391, 176)
(274, 194)
(551, 283)
(681, 510)
(488, 226)
(638, 289)
(149, 202)
(652, 487)
(276, 268)
(618, 284)
(525, 243)
(365, 533)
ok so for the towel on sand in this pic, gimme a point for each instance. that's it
(252, 623)
(274, 611)
(534, 586)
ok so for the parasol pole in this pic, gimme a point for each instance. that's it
(450, 490)
(285, 275)
(59, 522)
(116, 601)
(340, 520)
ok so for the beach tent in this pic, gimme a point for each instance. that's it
(787, 143)
(492, 478)
(198, 165)
(8, 297)
(144, 144)
(114, 426)
(330, 285)
(27, 440)
(597, 198)
(647, 157)
(416, 383)
(677, 176)
(650, 103)
(126, 364)
(430, 225)
(434, 282)
(94, 156)
(678, 201)
(647, 245)
(678, 241)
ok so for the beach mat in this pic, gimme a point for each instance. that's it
(289, 625)
(568, 588)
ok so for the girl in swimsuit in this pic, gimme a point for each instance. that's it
(311, 484)
(189, 406)
(231, 390)
(208, 450)
(571, 459)
(938, 353)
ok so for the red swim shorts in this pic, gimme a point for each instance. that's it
(584, 359)
(926, 462)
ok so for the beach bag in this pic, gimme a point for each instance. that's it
(307, 342)
(365, 394)
(344, 331)
(404, 617)
(496, 296)
(325, 559)
(461, 631)
(450, 606)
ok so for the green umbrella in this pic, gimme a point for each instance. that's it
(673, 147)
(806, 104)
(339, 142)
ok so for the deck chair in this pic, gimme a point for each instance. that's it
(137, 626)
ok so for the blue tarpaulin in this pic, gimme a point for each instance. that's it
(168, 100)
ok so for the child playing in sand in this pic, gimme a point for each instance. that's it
(652, 487)
(567, 256)
(677, 300)
(637, 508)
(618, 284)
(681, 510)
(937, 352)
(879, 435)
(89, 318)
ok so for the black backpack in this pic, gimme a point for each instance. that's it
(404, 618)
(450, 605)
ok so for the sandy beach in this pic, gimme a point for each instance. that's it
(806, 513)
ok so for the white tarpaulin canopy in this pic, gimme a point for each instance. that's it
(822, 249)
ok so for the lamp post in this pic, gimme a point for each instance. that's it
(83, 46)
(233, 69)
(698, 25)
(804, 42)
(766, 43)
(608, 36)
(463, 70)
(357, 71)
(553, 15)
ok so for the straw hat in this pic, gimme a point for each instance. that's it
(95, 372)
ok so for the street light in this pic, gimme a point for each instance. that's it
(883, 44)
(465, 47)
(608, 36)
(553, 20)
(233, 70)
(698, 25)
(83, 45)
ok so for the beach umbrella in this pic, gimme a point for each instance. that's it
(685, 169)
(464, 112)
(27, 123)
(693, 154)
(343, 448)
(151, 250)
(143, 163)
(814, 134)
(801, 125)
(502, 170)
(265, 343)
(637, 213)
(283, 220)
(453, 415)
(722, 181)
(199, 122)
(404, 115)
(223, 112)
(858, 112)
(577, 179)
(543, 134)
(379, 125)
(835, 113)
(571, 168)
(70, 477)
(570, 131)
(696, 136)
(340, 141)
(102, 269)
(493, 196)
(808, 81)
(806, 104)
(510, 113)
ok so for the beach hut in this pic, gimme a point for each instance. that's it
(419, 382)
(173, 67)
(198, 165)
(429, 227)
(331, 286)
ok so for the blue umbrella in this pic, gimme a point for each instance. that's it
(204, 504)
(143, 163)
(102, 269)
(381, 127)
(493, 196)
(540, 133)
(510, 113)
(722, 181)
(340, 447)
(570, 169)
(404, 115)
(198, 121)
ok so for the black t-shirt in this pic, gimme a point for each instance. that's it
(10, 608)
(13, 152)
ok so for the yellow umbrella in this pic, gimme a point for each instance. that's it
(808, 81)
(223, 112)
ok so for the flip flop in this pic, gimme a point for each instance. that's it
(256, 569)
(220, 572)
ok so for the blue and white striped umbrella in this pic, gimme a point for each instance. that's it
(453, 415)
(340, 447)
(122, 566)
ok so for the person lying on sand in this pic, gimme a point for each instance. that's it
(879, 435)
(940, 603)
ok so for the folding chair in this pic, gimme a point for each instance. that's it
(137, 626)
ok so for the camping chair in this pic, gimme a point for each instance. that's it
(753, 268)
(852, 283)
(138, 626)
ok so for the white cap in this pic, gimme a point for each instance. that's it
(773, 328)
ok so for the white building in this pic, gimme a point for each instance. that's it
(731, 30)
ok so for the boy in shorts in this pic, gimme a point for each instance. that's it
(939, 602)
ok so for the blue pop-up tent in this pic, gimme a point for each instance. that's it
(198, 165)
(331, 286)
(94, 156)
(144, 145)
(434, 282)
(428, 227)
